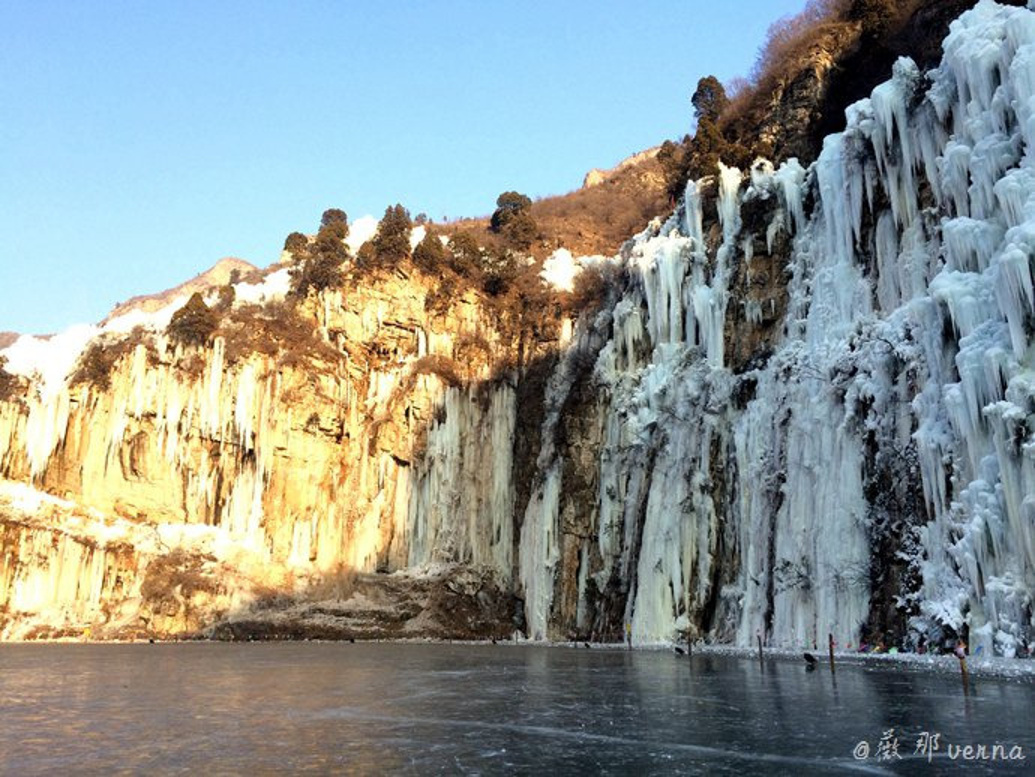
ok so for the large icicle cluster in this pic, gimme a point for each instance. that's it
(462, 496)
(906, 364)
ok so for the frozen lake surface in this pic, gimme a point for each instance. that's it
(430, 708)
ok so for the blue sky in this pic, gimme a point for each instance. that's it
(140, 142)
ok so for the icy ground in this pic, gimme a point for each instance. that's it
(278, 708)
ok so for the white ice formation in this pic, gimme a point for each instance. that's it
(905, 365)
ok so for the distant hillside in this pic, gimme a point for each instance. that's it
(217, 275)
(596, 219)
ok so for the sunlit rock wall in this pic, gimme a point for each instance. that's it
(300, 453)
(68, 571)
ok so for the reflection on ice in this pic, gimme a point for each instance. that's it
(418, 709)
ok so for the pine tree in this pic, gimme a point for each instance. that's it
(466, 254)
(709, 99)
(706, 149)
(521, 230)
(322, 265)
(513, 220)
(507, 205)
(333, 216)
(296, 242)
(430, 254)
(391, 243)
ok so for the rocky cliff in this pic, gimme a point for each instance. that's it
(803, 406)
(291, 449)
(812, 413)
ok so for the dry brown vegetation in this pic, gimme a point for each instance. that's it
(95, 366)
(860, 39)
(471, 347)
(440, 366)
(593, 220)
(173, 579)
(9, 384)
(275, 329)
(597, 220)
(339, 584)
(99, 359)
(591, 288)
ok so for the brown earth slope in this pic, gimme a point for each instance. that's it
(594, 219)
(217, 275)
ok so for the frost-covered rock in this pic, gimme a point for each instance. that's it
(877, 474)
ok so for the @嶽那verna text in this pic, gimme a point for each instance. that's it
(896, 745)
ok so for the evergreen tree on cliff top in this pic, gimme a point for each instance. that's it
(391, 243)
(194, 323)
(321, 265)
(334, 216)
(709, 100)
(513, 220)
(430, 254)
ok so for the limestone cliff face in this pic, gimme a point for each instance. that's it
(802, 407)
(70, 571)
(596, 176)
(798, 102)
(292, 438)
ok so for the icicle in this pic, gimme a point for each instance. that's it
(790, 179)
(729, 201)
(539, 553)
(694, 218)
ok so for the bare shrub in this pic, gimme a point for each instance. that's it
(792, 40)
(470, 344)
(94, 367)
(338, 583)
(591, 288)
(97, 362)
(274, 329)
(9, 384)
(173, 579)
(435, 364)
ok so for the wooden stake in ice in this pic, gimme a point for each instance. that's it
(830, 640)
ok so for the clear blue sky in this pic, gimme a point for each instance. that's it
(142, 141)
